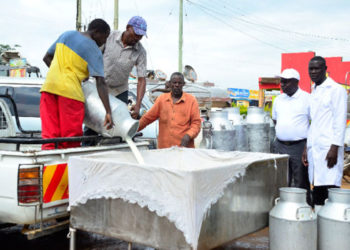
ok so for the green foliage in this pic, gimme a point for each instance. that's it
(268, 107)
(4, 47)
(243, 110)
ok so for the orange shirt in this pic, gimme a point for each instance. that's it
(175, 120)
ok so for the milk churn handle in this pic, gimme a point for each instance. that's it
(346, 212)
(297, 213)
(277, 200)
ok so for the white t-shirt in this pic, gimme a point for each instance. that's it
(292, 114)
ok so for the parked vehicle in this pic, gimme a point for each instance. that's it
(34, 182)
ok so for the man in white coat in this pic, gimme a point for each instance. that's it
(325, 141)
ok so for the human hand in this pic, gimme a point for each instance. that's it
(108, 123)
(332, 156)
(185, 140)
(304, 157)
(135, 111)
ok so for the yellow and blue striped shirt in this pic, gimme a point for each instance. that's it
(75, 58)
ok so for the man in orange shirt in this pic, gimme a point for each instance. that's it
(178, 114)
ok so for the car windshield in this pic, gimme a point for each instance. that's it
(27, 100)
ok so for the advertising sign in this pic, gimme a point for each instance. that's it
(18, 62)
(243, 94)
(17, 72)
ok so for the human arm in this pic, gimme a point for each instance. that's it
(339, 111)
(141, 67)
(274, 113)
(185, 140)
(195, 124)
(151, 115)
(103, 94)
(50, 53)
(304, 157)
(48, 59)
(332, 156)
(141, 89)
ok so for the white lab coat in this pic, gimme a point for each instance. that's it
(328, 106)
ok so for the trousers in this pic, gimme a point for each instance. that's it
(297, 172)
(60, 117)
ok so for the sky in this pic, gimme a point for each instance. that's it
(229, 42)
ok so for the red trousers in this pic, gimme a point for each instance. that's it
(60, 117)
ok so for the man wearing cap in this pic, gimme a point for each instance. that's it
(325, 141)
(291, 115)
(121, 53)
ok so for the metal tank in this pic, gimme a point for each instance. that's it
(292, 223)
(241, 138)
(333, 221)
(272, 131)
(223, 132)
(258, 130)
(124, 125)
(207, 134)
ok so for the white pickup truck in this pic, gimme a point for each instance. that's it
(34, 182)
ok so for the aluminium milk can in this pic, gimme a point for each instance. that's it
(223, 132)
(292, 223)
(272, 131)
(124, 125)
(333, 221)
(207, 134)
(241, 138)
(258, 129)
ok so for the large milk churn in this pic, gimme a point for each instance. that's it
(207, 133)
(258, 130)
(223, 132)
(292, 223)
(272, 131)
(124, 125)
(241, 138)
(333, 221)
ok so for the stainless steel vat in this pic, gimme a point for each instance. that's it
(272, 131)
(124, 125)
(242, 209)
(258, 130)
(292, 223)
(333, 221)
(223, 132)
(207, 134)
(241, 137)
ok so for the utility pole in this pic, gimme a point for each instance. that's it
(78, 19)
(116, 14)
(180, 34)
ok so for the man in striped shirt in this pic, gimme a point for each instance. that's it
(73, 57)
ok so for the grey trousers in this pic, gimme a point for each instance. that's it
(297, 172)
